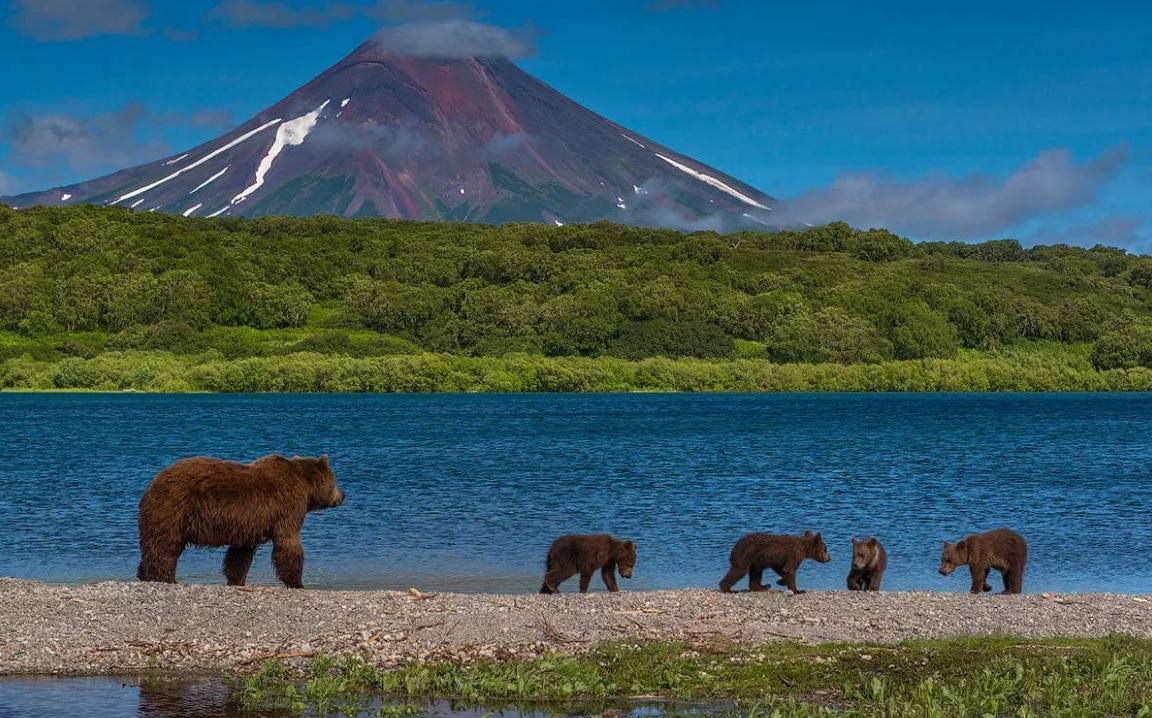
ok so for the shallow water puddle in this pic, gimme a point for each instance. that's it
(102, 697)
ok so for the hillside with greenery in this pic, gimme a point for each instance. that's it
(97, 298)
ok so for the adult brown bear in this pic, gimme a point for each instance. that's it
(584, 555)
(869, 561)
(783, 554)
(1000, 549)
(210, 502)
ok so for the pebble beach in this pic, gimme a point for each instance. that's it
(125, 628)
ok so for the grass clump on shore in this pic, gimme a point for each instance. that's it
(960, 677)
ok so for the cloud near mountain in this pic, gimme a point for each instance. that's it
(938, 206)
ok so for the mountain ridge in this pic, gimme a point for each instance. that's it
(471, 139)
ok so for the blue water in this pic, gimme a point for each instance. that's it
(465, 493)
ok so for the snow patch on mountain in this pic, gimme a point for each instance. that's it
(710, 180)
(174, 161)
(137, 203)
(210, 180)
(291, 133)
(637, 142)
(65, 197)
(188, 212)
(220, 211)
(202, 160)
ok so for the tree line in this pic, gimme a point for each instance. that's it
(84, 281)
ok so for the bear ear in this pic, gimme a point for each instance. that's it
(324, 461)
(853, 540)
(960, 545)
(629, 544)
(946, 544)
(807, 533)
(872, 541)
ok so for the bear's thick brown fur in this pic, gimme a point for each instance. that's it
(585, 554)
(869, 561)
(783, 554)
(1000, 549)
(210, 502)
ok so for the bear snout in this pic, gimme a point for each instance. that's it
(626, 571)
(339, 498)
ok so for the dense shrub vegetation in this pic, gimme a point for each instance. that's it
(196, 303)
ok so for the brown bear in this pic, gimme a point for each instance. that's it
(869, 561)
(783, 554)
(585, 554)
(210, 502)
(1000, 549)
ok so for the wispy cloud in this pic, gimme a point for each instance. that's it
(456, 38)
(280, 14)
(938, 206)
(51, 147)
(76, 19)
(410, 27)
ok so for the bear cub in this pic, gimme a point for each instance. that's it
(210, 502)
(1000, 549)
(585, 554)
(783, 554)
(869, 560)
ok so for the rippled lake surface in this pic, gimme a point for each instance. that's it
(465, 492)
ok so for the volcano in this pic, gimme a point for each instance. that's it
(465, 139)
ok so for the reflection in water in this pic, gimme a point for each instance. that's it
(169, 698)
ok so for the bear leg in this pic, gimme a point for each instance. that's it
(158, 563)
(554, 578)
(237, 561)
(288, 560)
(608, 573)
(756, 579)
(734, 574)
(788, 577)
(585, 581)
(855, 579)
(1013, 580)
(979, 579)
(874, 581)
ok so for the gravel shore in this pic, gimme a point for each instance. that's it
(113, 628)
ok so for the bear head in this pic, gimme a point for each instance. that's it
(625, 558)
(953, 555)
(323, 493)
(863, 553)
(817, 550)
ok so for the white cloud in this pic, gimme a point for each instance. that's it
(938, 206)
(456, 38)
(76, 19)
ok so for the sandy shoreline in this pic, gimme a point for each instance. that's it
(118, 628)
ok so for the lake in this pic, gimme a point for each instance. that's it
(465, 492)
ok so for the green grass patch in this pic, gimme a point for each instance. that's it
(963, 677)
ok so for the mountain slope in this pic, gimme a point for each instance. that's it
(473, 139)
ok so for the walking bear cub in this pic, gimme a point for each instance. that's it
(584, 555)
(210, 502)
(783, 554)
(1000, 549)
(869, 561)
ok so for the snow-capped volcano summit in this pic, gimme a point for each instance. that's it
(473, 139)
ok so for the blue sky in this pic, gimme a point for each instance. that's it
(1025, 119)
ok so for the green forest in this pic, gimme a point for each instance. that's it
(108, 299)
